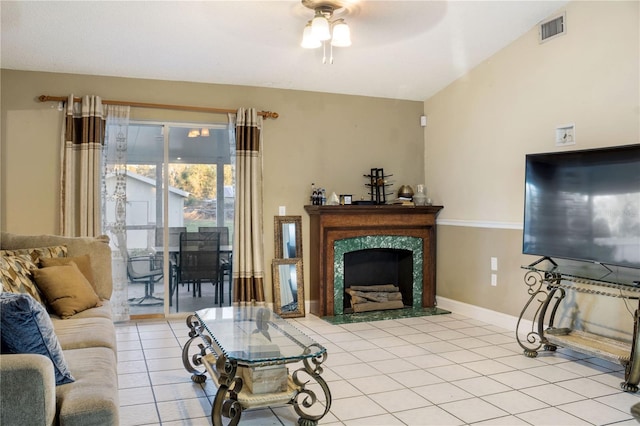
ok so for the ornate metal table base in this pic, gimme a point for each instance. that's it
(231, 399)
(546, 291)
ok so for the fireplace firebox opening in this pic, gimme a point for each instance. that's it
(379, 267)
(393, 243)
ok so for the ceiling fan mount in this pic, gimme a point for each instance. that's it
(325, 6)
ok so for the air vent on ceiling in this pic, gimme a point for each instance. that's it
(552, 28)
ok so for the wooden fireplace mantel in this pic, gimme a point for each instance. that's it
(331, 223)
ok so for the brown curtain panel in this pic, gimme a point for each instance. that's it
(248, 248)
(83, 130)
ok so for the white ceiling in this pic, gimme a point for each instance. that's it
(401, 49)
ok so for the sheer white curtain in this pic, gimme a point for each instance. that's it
(114, 202)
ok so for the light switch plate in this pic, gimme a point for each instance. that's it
(282, 210)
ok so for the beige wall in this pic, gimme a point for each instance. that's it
(481, 126)
(331, 140)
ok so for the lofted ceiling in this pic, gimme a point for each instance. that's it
(401, 49)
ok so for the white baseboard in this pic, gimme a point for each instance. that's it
(499, 319)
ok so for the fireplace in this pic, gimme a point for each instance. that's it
(336, 231)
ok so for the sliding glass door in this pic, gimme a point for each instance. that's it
(180, 179)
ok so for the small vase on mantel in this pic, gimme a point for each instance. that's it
(420, 197)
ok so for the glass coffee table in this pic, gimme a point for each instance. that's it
(246, 350)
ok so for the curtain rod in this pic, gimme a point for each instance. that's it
(265, 114)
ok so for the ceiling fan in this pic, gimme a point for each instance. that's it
(325, 27)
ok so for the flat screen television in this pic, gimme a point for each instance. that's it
(584, 205)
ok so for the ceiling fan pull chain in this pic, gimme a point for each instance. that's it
(331, 54)
(324, 52)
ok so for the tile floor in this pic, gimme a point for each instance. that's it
(437, 370)
(187, 302)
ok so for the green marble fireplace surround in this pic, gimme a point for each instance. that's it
(397, 242)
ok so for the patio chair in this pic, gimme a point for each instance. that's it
(199, 262)
(225, 258)
(145, 270)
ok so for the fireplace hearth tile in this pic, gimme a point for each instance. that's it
(384, 315)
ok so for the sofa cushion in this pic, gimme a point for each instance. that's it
(27, 328)
(79, 333)
(93, 398)
(83, 262)
(16, 276)
(66, 290)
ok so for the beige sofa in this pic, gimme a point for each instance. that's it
(27, 383)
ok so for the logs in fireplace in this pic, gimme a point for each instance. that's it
(365, 298)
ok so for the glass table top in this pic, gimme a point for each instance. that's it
(590, 271)
(256, 335)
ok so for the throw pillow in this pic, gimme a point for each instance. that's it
(16, 275)
(66, 290)
(27, 328)
(37, 253)
(83, 262)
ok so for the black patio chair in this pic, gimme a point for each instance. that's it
(199, 262)
(225, 258)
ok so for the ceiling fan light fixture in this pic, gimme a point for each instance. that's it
(327, 28)
(193, 133)
(204, 132)
(341, 34)
(308, 40)
(320, 26)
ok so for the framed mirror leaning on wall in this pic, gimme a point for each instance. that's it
(288, 237)
(288, 283)
(288, 288)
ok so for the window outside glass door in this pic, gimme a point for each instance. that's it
(180, 179)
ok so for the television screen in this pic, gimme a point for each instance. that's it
(584, 205)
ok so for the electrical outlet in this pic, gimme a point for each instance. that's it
(494, 280)
(494, 263)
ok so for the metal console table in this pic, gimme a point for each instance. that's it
(547, 285)
(235, 342)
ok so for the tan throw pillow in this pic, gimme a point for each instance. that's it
(16, 276)
(83, 263)
(66, 290)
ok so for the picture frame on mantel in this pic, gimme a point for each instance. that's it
(346, 199)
